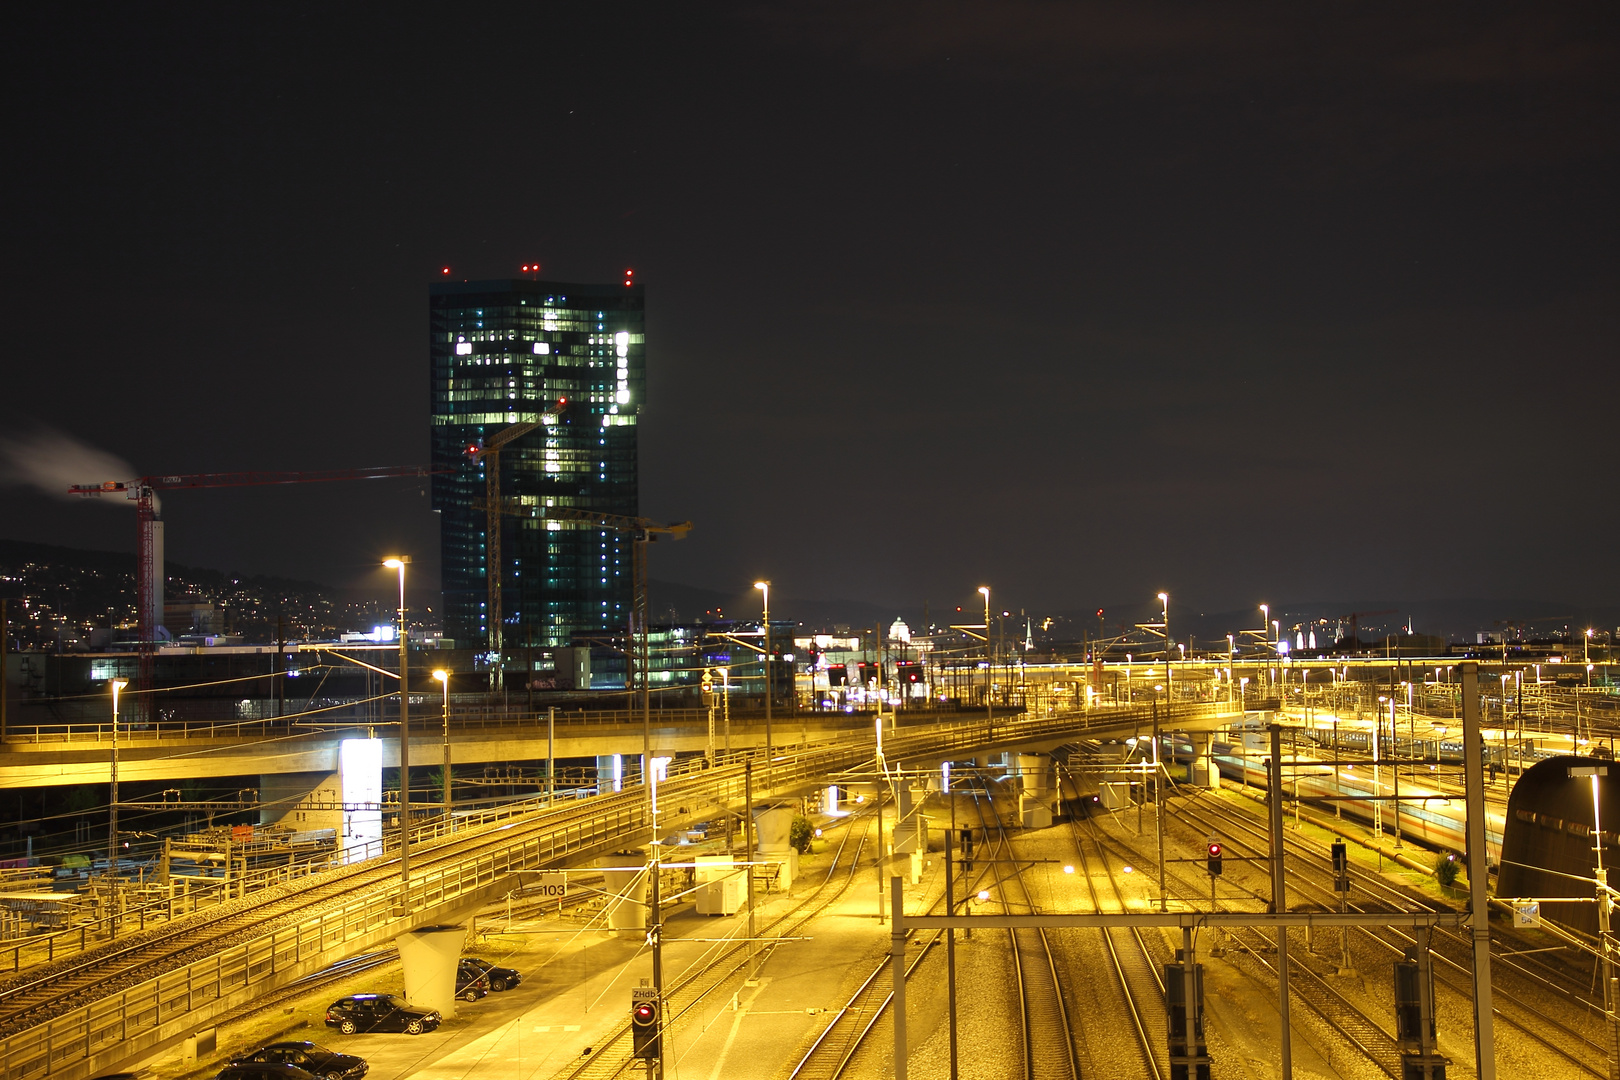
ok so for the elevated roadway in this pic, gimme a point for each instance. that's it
(94, 1013)
(80, 754)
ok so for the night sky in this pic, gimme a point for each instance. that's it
(1083, 301)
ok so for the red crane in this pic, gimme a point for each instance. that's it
(149, 527)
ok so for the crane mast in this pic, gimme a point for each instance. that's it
(149, 530)
(643, 532)
(488, 454)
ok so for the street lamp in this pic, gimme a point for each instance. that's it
(765, 587)
(1164, 599)
(989, 660)
(725, 683)
(399, 563)
(444, 680)
(112, 803)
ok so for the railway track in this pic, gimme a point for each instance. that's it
(1048, 1036)
(1137, 967)
(685, 995)
(42, 992)
(1515, 988)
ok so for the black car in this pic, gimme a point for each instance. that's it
(500, 978)
(470, 982)
(310, 1057)
(379, 1012)
(264, 1070)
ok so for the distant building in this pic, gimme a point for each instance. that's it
(501, 352)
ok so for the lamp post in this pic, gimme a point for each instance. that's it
(112, 806)
(399, 563)
(1231, 664)
(1164, 600)
(444, 680)
(765, 587)
(725, 706)
(989, 660)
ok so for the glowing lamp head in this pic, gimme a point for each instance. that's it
(984, 894)
(442, 675)
(645, 1013)
(1214, 851)
(445, 270)
(395, 564)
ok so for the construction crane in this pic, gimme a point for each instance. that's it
(643, 531)
(487, 453)
(1355, 642)
(149, 527)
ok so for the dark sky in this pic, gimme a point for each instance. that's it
(1080, 300)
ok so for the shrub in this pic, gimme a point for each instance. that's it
(800, 833)
(1446, 869)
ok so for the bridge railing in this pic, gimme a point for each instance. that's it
(553, 835)
(795, 761)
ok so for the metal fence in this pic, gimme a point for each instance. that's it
(134, 1016)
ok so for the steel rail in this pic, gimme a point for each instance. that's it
(1448, 968)
(121, 1019)
(734, 959)
(1131, 983)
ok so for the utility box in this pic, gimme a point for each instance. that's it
(721, 885)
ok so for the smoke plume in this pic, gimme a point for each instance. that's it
(52, 460)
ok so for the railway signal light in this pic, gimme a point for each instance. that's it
(644, 1023)
(967, 849)
(1341, 866)
(1213, 858)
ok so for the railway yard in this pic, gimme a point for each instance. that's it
(809, 996)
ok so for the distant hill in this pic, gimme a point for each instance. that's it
(70, 592)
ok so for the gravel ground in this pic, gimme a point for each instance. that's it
(1371, 989)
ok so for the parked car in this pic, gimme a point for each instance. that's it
(500, 978)
(470, 982)
(379, 1012)
(310, 1057)
(264, 1070)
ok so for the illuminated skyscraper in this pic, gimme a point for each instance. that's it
(501, 352)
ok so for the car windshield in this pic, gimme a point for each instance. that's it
(482, 965)
(391, 1000)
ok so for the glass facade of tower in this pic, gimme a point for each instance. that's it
(501, 353)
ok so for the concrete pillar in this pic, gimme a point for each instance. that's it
(628, 911)
(1035, 774)
(772, 823)
(910, 833)
(609, 772)
(1204, 772)
(428, 956)
(303, 802)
